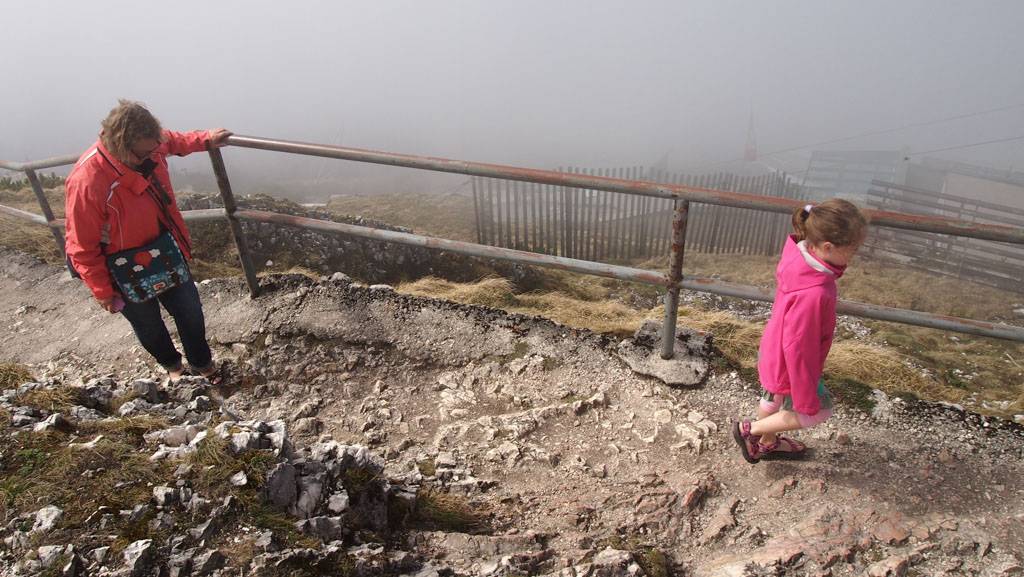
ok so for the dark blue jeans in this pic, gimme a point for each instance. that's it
(182, 303)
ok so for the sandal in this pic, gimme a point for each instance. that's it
(214, 375)
(795, 449)
(750, 447)
(178, 368)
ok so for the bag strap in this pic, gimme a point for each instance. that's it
(163, 200)
(160, 197)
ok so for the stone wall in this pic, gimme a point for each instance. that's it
(370, 261)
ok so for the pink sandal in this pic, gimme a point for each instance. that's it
(750, 447)
(796, 449)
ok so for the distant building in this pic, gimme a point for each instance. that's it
(1003, 187)
(848, 173)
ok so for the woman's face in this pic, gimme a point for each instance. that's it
(140, 151)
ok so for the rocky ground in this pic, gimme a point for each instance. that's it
(577, 463)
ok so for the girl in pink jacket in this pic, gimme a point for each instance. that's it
(799, 333)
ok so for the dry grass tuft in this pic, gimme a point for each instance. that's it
(737, 339)
(597, 315)
(304, 272)
(885, 369)
(490, 292)
(27, 236)
(447, 512)
(51, 400)
(42, 468)
(444, 216)
(13, 375)
(203, 268)
(213, 463)
(127, 427)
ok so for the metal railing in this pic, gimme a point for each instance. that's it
(673, 281)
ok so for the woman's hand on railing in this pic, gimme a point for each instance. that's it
(218, 137)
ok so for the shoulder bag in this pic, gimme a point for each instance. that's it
(147, 271)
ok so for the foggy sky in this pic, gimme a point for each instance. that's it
(525, 82)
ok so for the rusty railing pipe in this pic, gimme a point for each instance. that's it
(460, 247)
(671, 191)
(40, 164)
(25, 215)
(675, 276)
(678, 193)
(230, 208)
(44, 204)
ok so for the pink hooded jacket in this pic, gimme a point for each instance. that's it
(799, 333)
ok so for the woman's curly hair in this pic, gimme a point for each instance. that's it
(128, 123)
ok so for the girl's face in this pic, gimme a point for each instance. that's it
(837, 256)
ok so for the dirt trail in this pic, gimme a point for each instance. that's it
(568, 449)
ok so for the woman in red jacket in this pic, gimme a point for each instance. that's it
(114, 197)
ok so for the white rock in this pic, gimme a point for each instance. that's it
(338, 502)
(46, 519)
(663, 416)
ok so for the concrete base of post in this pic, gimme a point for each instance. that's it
(688, 367)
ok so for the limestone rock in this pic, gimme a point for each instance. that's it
(691, 361)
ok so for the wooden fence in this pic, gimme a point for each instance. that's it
(604, 226)
(986, 262)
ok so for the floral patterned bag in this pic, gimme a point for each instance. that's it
(146, 271)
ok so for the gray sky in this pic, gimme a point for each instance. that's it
(525, 82)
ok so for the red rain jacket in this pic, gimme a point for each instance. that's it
(107, 204)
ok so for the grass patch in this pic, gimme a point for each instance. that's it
(128, 429)
(446, 512)
(51, 400)
(427, 468)
(654, 561)
(357, 481)
(850, 392)
(28, 236)
(213, 464)
(13, 375)
(598, 315)
(449, 215)
(42, 469)
(269, 518)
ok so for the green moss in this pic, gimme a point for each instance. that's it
(520, 350)
(951, 378)
(654, 561)
(427, 468)
(850, 392)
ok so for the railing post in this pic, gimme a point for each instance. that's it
(236, 226)
(47, 212)
(675, 275)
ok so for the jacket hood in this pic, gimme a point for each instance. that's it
(799, 269)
